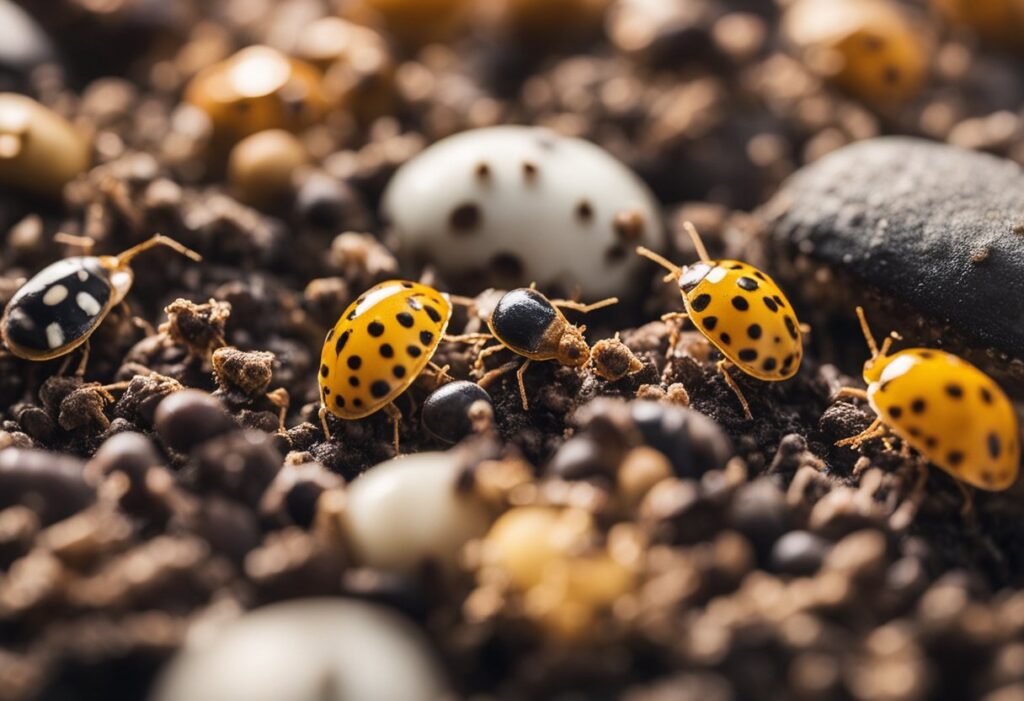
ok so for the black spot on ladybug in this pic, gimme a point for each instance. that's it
(339, 401)
(768, 365)
(954, 391)
(375, 329)
(918, 406)
(736, 266)
(405, 319)
(987, 477)
(339, 345)
(700, 302)
(986, 396)
(358, 402)
(759, 275)
(327, 390)
(354, 361)
(747, 283)
(414, 351)
(931, 441)
(914, 431)
(379, 389)
(787, 361)
(770, 303)
(354, 381)
(895, 412)
(324, 371)
(408, 285)
(954, 457)
(434, 315)
(426, 338)
(778, 301)
(387, 351)
(994, 445)
(351, 315)
(740, 303)
(726, 338)
(399, 371)
(791, 327)
(754, 331)
(748, 355)
(927, 355)
(710, 322)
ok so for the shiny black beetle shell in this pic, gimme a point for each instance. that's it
(57, 309)
(521, 319)
(445, 413)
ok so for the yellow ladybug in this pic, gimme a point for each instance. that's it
(379, 346)
(742, 312)
(944, 407)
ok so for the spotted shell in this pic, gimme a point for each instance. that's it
(745, 315)
(380, 345)
(56, 311)
(951, 412)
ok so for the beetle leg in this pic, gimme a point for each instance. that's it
(323, 421)
(876, 430)
(279, 398)
(723, 367)
(395, 414)
(478, 364)
(522, 385)
(491, 375)
(584, 308)
(461, 301)
(967, 508)
(80, 371)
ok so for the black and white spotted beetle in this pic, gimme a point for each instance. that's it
(58, 309)
(533, 326)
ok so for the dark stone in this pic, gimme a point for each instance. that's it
(241, 464)
(799, 553)
(445, 413)
(692, 442)
(187, 418)
(938, 228)
(51, 485)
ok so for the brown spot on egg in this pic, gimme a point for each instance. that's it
(465, 218)
(629, 225)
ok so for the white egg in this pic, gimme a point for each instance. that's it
(523, 204)
(412, 510)
(308, 650)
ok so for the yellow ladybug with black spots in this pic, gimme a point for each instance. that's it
(742, 312)
(380, 345)
(948, 410)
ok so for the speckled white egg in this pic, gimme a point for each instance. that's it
(410, 511)
(510, 205)
(307, 650)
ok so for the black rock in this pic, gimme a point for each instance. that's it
(935, 228)
(187, 418)
(692, 442)
(52, 485)
(799, 553)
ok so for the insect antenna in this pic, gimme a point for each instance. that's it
(868, 336)
(697, 242)
(674, 270)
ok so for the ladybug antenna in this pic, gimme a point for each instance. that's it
(697, 242)
(869, 337)
(157, 240)
(674, 270)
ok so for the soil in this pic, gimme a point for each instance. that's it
(776, 565)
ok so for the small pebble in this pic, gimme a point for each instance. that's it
(187, 418)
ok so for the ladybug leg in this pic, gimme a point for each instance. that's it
(967, 508)
(850, 393)
(522, 385)
(469, 338)
(323, 421)
(441, 375)
(491, 375)
(723, 367)
(395, 414)
(671, 318)
(876, 430)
